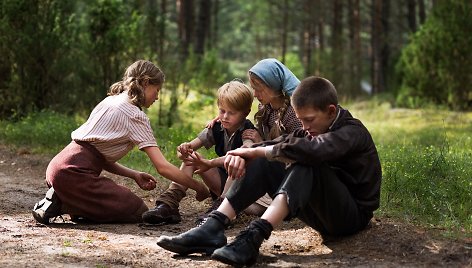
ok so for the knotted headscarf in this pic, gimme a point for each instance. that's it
(276, 75)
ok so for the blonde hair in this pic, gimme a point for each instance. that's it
(236, 95)
(135, 77)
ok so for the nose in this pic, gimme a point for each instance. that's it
(305, 126)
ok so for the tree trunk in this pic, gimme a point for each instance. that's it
(285, 11)
(376, 42)
(162, 31)
(321, 37)
(152, 27)
(308, 35)
(214, 26)
(203, 26)
(411, 16)
(421, 11)
(337, 72)
(385, 44)
(185, 24)
(355, 47)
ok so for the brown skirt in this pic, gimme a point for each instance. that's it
(75, 175)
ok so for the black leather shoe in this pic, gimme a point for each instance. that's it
(244, 250)
(203, 239)
(162, 213)
(49, 207)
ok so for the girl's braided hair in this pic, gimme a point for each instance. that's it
(136, 76)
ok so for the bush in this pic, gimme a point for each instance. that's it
(436, 67)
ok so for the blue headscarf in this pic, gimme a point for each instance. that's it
(276, 75)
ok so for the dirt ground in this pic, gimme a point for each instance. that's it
(25, 243)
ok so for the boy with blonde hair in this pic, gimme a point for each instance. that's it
(234, 104)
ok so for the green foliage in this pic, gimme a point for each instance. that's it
(31, 74)
(206, 73)
(436, 67)
(292, 61)
(45, 132)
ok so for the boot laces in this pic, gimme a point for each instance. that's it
(244, 237)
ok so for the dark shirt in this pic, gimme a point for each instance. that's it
(219, 137)
(347, 147)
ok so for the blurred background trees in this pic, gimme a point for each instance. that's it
(62, 55)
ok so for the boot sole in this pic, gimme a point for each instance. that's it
(185, 250)
(162, 220)
(231, 262)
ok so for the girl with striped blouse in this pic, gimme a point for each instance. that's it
(115, 126)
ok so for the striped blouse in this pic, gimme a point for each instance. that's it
(115, 126)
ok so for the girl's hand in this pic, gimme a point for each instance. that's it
(184, 150)
(252, 134)
(212, 122)
(145, 181)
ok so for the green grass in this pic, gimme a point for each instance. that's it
(425, 155)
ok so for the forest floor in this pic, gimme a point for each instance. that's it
(25, 243)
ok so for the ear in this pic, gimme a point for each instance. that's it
(145, 83)
(332, 110)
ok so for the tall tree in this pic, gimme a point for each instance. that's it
(186, 22)
(376, 44)
(385, 49)
(214, 25)
(411, 15)
(203, 26)
(285, 25)
(421, 11)
(308, 35)
(337, 70)
(355, 65)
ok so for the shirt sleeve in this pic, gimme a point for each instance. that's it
(206, 136)
(329, 146)
(140, 131)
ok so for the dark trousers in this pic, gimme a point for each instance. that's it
(315, 195)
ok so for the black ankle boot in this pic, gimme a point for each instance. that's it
(202, 239)
(244, 250)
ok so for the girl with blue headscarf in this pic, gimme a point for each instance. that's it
(273, 84)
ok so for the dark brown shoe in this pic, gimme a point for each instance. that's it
(162, 214)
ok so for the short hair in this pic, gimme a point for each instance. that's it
(134, 79)
(236, 95)
(315, 92)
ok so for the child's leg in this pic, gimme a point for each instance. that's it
(262, 176)
(214, 179)
(75, 175)
(322, 202)
(167, 203)
(175, 192)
